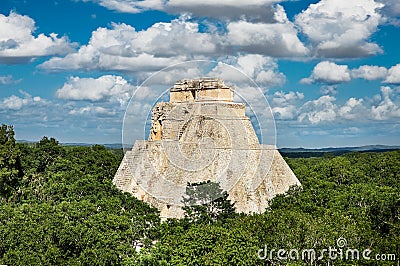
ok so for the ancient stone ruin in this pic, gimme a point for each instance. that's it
(202, 134)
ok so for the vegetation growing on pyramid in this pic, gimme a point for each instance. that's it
(205, 202)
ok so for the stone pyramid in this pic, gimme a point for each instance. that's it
(202, 134)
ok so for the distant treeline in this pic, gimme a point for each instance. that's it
(310, 154)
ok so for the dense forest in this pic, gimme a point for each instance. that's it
(58, 206)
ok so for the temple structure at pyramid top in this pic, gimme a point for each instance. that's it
(203, 89)
(201, 134)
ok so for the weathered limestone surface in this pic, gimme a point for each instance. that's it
(201, 134)
(205, 89)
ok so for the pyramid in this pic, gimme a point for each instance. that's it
(201, 134)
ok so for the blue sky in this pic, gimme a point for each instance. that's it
(330, 69)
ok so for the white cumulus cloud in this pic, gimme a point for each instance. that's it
(341, 28)
(328, 72)
(228, 9)
(19, 44)
(369, 72)
(320, 110)
(104, 88)
(261, 69)
(17, 103)
(276, 39)
(14, 102)
(387, 108)
(393, 76)
(331, 73)
(352, 109)
(284, 105)
(93, 110)
(327, 109)
(124, 48)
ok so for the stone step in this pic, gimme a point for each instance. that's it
(132, 160)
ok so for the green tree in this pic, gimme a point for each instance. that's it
(10, 165)
(70, 213)
(206, 202)
(48, 150)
